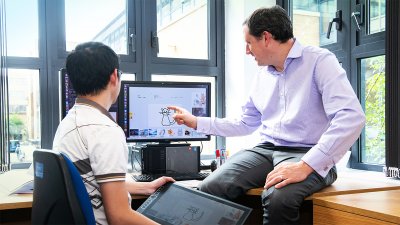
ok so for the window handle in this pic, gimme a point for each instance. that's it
(132, 40)
(358, 16)
(354, 15)
(154, 41)
(338, 21)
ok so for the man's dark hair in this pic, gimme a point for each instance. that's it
(89, 67)
(274, 20)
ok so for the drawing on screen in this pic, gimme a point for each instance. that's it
(193, 214)
(166, 119)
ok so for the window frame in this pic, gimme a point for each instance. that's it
(52, 56)
(352, 48)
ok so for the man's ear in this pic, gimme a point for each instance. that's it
(114, 77)
(267, 37)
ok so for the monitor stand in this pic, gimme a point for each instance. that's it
(167, 158)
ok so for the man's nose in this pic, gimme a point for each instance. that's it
(248, 52)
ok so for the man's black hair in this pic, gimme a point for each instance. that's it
(89, 67)
(274, 20)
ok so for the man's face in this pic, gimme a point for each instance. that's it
(255, 46)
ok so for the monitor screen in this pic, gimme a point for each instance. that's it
(144, 116)
(68, 96)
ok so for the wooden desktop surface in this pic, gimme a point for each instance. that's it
(380, 207)
(8, 182)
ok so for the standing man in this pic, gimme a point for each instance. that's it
(94, 142)
(308, 113)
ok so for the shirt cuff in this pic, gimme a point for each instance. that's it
(203, 125)
(318, 160)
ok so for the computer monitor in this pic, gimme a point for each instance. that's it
(68, 96)
(144, 116)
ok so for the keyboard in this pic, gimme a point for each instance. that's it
(177, 176)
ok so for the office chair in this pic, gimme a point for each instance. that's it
(59, 195)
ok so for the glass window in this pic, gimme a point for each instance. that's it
(182, 28)
(24, 114)
(208, 146)
(22, 28)
(373, 98)
(128, 76)
(377, 16)
(311, 19)
(96, 20)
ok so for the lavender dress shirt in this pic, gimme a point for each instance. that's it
(310, 104)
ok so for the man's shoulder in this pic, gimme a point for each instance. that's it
(88, 116)
(315, 50)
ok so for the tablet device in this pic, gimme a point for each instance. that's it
(178, 205)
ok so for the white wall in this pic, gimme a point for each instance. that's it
(240, 68)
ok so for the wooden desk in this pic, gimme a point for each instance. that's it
(345, 185)
(381, 207)
(8, 182)
(15, 209)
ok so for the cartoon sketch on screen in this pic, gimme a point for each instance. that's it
(199, 100)
(166, 119)
(193, 214)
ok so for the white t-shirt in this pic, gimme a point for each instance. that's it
(97, 147)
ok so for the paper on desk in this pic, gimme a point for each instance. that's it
(26, 188)
(17, 182)
(189, 183)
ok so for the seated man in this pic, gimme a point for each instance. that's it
(307, 112)
(94, 142)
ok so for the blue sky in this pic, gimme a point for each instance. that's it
(85, 19)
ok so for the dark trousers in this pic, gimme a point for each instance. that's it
(249, 168)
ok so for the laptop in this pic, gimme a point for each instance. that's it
(173, 204)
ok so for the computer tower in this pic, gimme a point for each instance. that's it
(170, 158)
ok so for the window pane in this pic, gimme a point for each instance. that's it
(373, 98)
(128, 76)
(24, 112)
(208, 146)
(311, 19)
(376, 16)
(22, 28)
(96, 20)
(182, 28)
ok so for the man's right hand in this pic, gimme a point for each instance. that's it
(182, 116)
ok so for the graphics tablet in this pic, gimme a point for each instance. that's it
(177, 205)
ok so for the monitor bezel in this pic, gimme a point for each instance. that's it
(161, 84)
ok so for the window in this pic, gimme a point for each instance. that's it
(182, 28)
(373, 99)
(360, 49)
(24, 69)
(24, 114)
(22, 14)
(40, 35)
(106, 24)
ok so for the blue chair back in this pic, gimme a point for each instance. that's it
(59, 195)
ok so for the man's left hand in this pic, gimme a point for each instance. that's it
(287, 173)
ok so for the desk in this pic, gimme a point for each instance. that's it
(380, 207)
(15, 201)
(347, 183)
(14, 209)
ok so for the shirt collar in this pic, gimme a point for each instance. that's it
(85, 101)
(295, 52)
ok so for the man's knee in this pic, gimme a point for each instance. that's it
(221, 188)
(280, 199)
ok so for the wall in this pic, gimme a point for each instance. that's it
(240, 68)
